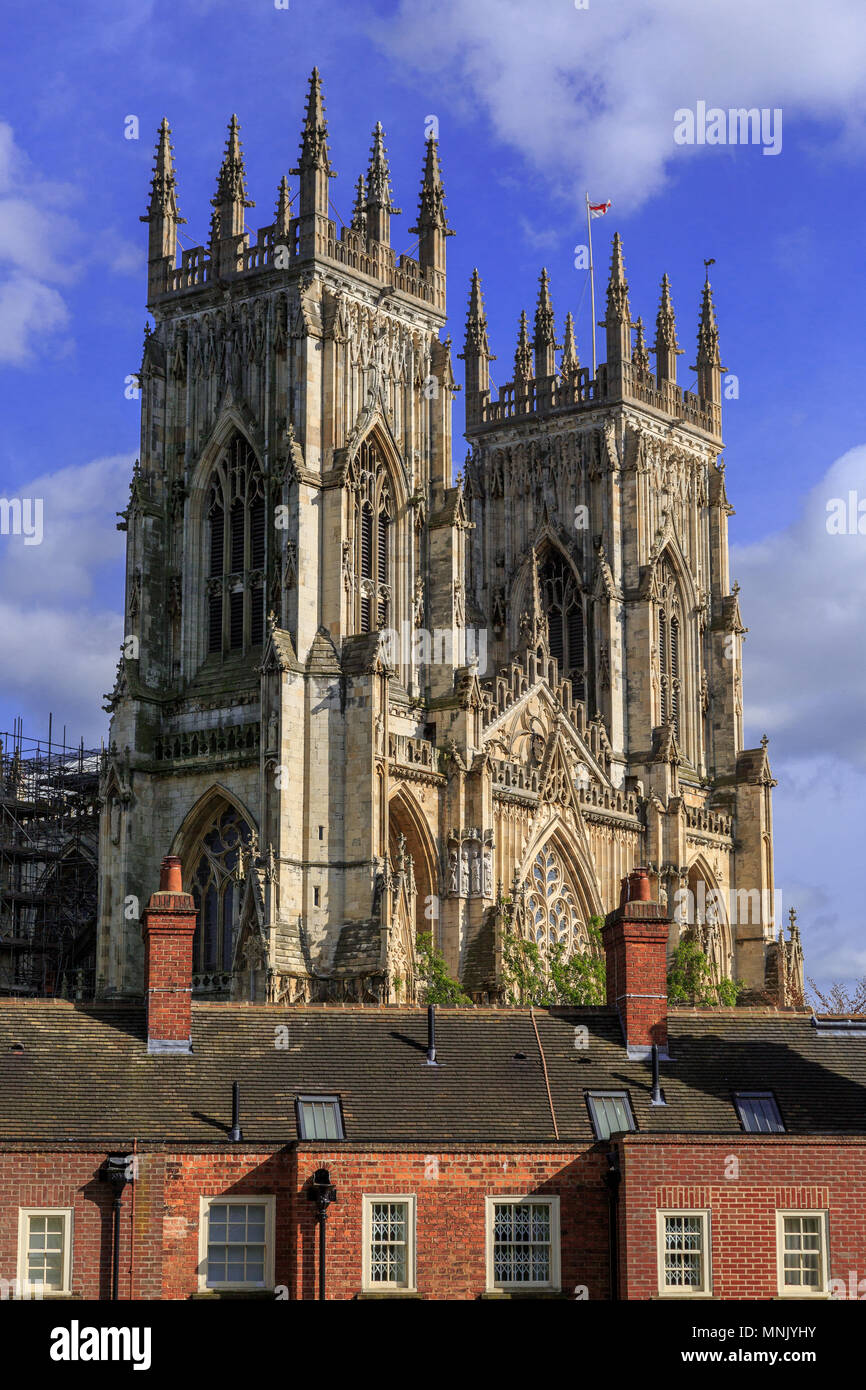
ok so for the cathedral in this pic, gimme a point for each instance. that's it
(361, 699)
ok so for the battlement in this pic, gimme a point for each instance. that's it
(539, 386)
(303, 229)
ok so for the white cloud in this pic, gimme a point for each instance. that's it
(31, 313)
(60, 602)
(43, 247)
(588, 96)
(804, 602)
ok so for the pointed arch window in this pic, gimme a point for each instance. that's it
(563, 606)
(374, 510)
(216, 886)
(669, 620)
(236, 550)
(553, 917)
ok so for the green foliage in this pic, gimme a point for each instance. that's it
(435, 985)
(729, 991)
(530, 979)
(690, 979)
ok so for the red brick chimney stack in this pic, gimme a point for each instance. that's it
(635, 940)
(168, 927)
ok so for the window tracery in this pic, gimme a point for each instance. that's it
(236, 551)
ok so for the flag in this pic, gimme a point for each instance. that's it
(598, 209)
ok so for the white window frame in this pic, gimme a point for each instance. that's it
(246, 1200)
(684, 1290)
(802, 1290)
(25, 1289)
(410, 1201)
(554, 1284)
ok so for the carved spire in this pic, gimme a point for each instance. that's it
(163, 215)
(314, 169)
(379, 205)
(545, 335)
(432, 224)
(282, 214)
(640, 357)
(314, 133)
(231, 195)
(617, 319)
(570, 363)
(359, 210)
(523, 355)
(163, 184)
(665, 348)
(476, 351)
(709, 364)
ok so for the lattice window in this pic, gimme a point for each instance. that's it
(237, 551)
(553, 917)
(373, 518)
(388, 1222)
(216, 891)
(684, 1265)
(563, 607)
(523, 1242)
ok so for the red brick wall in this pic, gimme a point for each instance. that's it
(450, 1189)
(773, 1174)
(160, 1215)
(72, 1179)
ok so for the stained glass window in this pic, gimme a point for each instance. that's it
(216, 891)
(552, 914)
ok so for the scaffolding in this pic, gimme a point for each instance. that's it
(49, 836)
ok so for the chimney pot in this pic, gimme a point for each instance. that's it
(170, 875)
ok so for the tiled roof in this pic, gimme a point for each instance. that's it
(84, 1073)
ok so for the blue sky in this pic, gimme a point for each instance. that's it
(535, 103)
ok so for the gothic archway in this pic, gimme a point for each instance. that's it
(214, 845)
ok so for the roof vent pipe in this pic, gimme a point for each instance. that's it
(657, 1097)
(431, 1035)
(236, 1133)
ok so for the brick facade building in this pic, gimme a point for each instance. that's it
(536, 1153)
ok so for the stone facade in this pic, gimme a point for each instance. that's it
(357, 700)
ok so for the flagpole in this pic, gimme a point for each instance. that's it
(591, 284)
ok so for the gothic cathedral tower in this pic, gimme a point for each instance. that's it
(359, 701)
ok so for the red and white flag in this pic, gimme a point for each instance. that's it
(598, 209)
